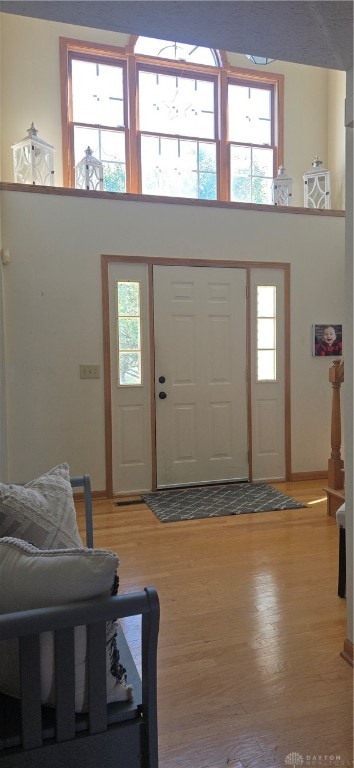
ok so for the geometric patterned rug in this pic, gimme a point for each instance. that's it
(217, 501)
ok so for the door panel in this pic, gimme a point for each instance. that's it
(200, 349)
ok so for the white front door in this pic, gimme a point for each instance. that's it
(200, 374)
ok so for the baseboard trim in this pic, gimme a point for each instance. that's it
(320, 475)
(347, 652)
(293, 478)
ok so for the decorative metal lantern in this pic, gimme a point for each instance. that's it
(33, 160)
(282, 188)
(317, 186)
(89, 172)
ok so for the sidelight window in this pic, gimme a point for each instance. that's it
(266, 332)
(129, 333)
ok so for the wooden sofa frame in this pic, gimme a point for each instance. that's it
(118, 735)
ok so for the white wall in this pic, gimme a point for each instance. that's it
(336, 146)
(349, 355)
(31, 92)
(53, 311)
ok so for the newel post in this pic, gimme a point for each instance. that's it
(335, 463)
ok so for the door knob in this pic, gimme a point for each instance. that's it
(162, 395)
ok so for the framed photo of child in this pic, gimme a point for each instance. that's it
(327, 340)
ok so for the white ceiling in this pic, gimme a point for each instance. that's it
(319, 33)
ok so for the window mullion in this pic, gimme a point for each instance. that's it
(100, 126)
(133, 173)
(278, 123)
(222, 138)
(252, 145)
(67, 125)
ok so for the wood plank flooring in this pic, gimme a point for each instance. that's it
(249, 669)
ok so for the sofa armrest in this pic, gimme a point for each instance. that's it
(30, 728)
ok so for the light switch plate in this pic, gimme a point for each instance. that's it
(90, 372)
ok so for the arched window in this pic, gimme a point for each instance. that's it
(168, 49)
(169, 119)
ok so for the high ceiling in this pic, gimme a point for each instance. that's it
(317, 33)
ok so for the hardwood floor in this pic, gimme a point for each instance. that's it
(249, 669)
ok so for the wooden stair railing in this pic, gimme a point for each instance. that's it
(335, 489)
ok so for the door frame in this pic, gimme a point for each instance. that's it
(150, 262)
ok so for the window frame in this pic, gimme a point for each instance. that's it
(235, 79)
(132, 63)
(76, 49)
(209, 75)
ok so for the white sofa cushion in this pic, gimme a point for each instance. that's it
(33, 578)
(42, 511)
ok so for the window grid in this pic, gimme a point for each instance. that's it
(266, 333)
(129, 173)
(129, 350)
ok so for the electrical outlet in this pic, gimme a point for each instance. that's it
(90, 372)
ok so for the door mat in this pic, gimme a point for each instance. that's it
(217, 501)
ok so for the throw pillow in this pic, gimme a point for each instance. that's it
(42, 511)
(33, 578)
